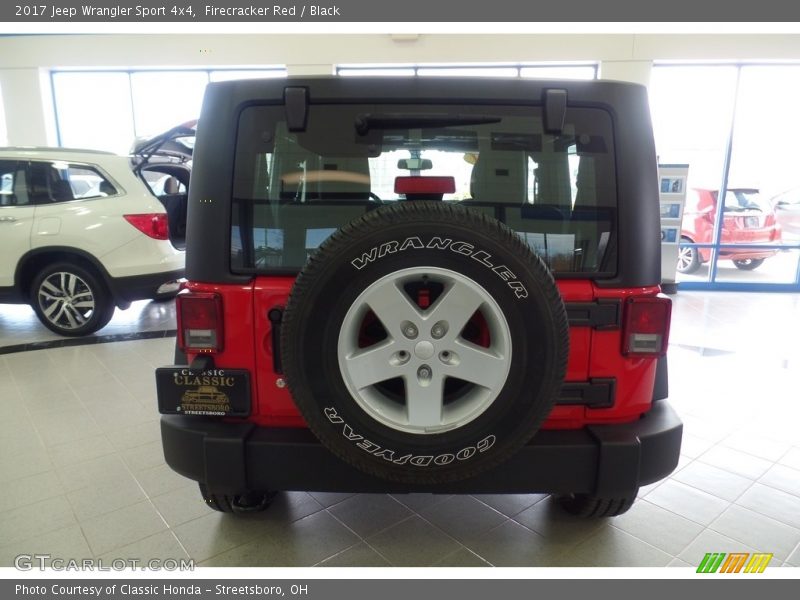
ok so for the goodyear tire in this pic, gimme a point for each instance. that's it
(424, 343)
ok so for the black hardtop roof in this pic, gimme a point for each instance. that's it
(433, 89)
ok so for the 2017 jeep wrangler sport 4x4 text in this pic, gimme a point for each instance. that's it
(422, 285)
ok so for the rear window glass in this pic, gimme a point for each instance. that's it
(293, 190)
(739, 200)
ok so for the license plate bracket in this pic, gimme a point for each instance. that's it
(214, 392)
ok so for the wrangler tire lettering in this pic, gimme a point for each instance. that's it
(366, 258)
(436, 243)
(387, 248)
(333, 416)
(348, 433)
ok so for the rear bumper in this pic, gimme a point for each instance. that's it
(744, 254)
(142, 287)
(605, 460)
(729, 253)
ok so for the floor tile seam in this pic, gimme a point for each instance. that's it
(408, 518)
(363, 539)
(638, 539)
(249, 540)
(669, 510)
(120, 382)
(792, 447)
(703, 529)
(700, 459)
(763, 514)
(147, 499)
(328, 509)
(796, 549)
(471, 551)
(86, 408)
(473, 496)
(44, 446)
(342, 551)
(49, 531)
(569, 548)
(117, 547)
(744, 451)
(741, 541)
(505, 520)
(774, 487)
(694, 487)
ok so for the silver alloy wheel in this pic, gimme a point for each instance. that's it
(685, 259)
(66, 300)
(424, 348)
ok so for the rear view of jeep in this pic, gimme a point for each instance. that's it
(422, 285)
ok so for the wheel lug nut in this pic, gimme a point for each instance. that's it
(410, 331)
(439, 330)
(424, 372)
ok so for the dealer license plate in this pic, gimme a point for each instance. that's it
(217, 392)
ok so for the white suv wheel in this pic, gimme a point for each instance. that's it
(71, 300)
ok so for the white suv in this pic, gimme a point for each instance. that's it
(83, 232)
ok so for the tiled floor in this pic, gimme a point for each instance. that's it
(83, 475)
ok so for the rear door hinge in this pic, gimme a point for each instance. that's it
(602, 314)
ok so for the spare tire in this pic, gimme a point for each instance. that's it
(424, 342)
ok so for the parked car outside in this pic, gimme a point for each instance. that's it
(787, 210)
(81, 233)
(747, 219)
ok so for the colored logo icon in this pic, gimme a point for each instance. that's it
(736, 562)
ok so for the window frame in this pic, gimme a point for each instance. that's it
(120, 191)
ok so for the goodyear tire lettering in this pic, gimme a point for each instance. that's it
(416, 460)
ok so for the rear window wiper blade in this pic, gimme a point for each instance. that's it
(365, 122)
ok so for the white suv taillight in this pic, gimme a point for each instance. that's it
(646, 326)
(154, 225)
(199, 322)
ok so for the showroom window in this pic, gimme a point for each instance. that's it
(107, 110)
(540, 71)
(712, 117)
(3, 130)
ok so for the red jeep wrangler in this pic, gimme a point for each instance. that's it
(422, 285)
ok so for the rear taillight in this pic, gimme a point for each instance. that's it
(154, 225)
(646, 329)
(200, 322)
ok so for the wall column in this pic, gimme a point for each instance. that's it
(28, 107)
